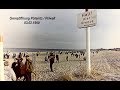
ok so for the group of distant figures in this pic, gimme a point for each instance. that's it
(52, 57)
(19, 71)
(7, 55)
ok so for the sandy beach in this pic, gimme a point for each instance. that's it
(105, 67)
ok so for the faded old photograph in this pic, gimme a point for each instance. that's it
(59, 45)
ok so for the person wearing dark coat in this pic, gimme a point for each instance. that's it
(51, 58)
(29, 68)
(67, 58)
(57, 57)
(24, 55)
(14, 65)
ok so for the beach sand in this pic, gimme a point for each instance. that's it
(105, 66)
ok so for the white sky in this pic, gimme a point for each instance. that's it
(60, 33)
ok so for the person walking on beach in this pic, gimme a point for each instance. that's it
(46, 59)
(76, 55)
(24, 55)
(57, 57)
(17, 66)
(19, 58)
(14, 67)
(29, 68)
(51, 58)
(37, 54)
(8, 72)
(14, 55)
(67, 58)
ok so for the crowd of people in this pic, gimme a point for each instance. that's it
(22, 71)
(19, 70)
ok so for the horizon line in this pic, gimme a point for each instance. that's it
(60, 48)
